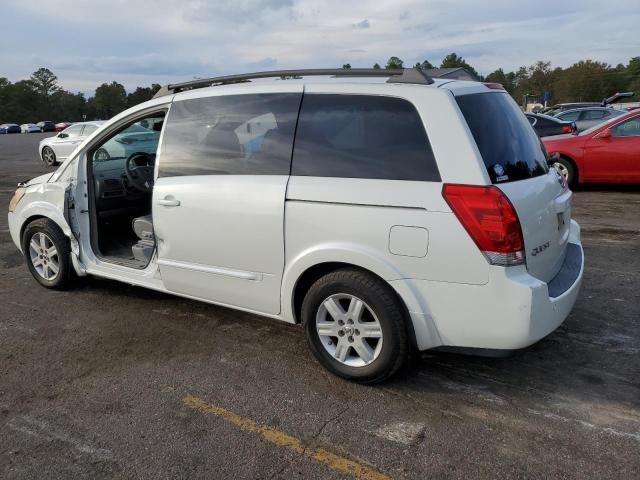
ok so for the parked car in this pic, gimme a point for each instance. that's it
(606, 153)
(628, 106)
(609, 101)
(30, 128)
(585, 118)
(417, 213)
(9, 128)
(54, 150)
(545, 126)
(135, 138)
(561, 107)
(46, 126)
(62, 126)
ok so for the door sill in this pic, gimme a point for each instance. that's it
(123, 262)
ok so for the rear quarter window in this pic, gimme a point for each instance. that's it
(510, 148)
(362, 136)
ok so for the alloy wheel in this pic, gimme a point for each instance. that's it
(349, 330)
(44, 256)
(564, 171)
(49, 156)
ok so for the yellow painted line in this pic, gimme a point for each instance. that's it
(358, 469)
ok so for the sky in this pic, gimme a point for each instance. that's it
(139, 42)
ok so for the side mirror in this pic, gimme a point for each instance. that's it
(553, 159)
(63, 135)
(605, 134)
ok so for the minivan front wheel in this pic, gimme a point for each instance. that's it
(48, 254)
(354, 326)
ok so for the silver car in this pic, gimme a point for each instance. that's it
(586, 118)
(54, 150)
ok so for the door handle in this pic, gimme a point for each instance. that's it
(169, 202)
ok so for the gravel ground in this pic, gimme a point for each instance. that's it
(112, 381)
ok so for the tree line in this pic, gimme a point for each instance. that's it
(41, 97)
(586, 80)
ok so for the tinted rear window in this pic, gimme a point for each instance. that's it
(362, 136)
(509, 146)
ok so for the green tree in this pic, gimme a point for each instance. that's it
(44, 82)
(587, 80)
(109, 100)
(425, 65)
(632, 73)
(142, 94)
(454, 61)
(507, 80)
(20, 104)
(376, 66)
(393, 63)
(68, 106)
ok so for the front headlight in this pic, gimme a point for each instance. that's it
(17, 196)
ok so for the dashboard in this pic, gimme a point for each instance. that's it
(113, 192)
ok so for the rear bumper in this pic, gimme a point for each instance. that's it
(513, 310)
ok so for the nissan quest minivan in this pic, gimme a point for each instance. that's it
(385, 211)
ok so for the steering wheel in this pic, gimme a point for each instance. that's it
(139, 170)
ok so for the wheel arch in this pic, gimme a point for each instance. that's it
(301, 274)
(64, 227)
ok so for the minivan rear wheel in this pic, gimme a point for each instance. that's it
(354, 326)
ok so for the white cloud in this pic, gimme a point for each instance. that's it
(139, 42)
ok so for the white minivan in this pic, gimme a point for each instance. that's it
(386, 211)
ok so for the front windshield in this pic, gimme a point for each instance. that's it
(140, 136)
(599, 126)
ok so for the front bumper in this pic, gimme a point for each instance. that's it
(14, 229)
(513, 310)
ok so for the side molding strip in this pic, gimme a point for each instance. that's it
(212, 270)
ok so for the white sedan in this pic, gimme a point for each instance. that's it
(56, 149)
(30, 128)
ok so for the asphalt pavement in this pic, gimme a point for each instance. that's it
(113, 381)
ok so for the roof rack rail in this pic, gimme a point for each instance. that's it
(400, 75)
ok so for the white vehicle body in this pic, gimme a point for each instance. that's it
(30, 128)
(66, 141)
(250, 241)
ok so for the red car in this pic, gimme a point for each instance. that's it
(62, 125)
(606, 153)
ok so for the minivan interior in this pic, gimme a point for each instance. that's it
(121, 184)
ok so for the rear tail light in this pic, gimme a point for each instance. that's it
(490, 219)
(567, 128)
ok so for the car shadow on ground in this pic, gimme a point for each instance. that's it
(607, 187)
(573, 362)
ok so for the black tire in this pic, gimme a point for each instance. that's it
(49, 156)
(571, 172)
(382, 302)
(65, 275)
